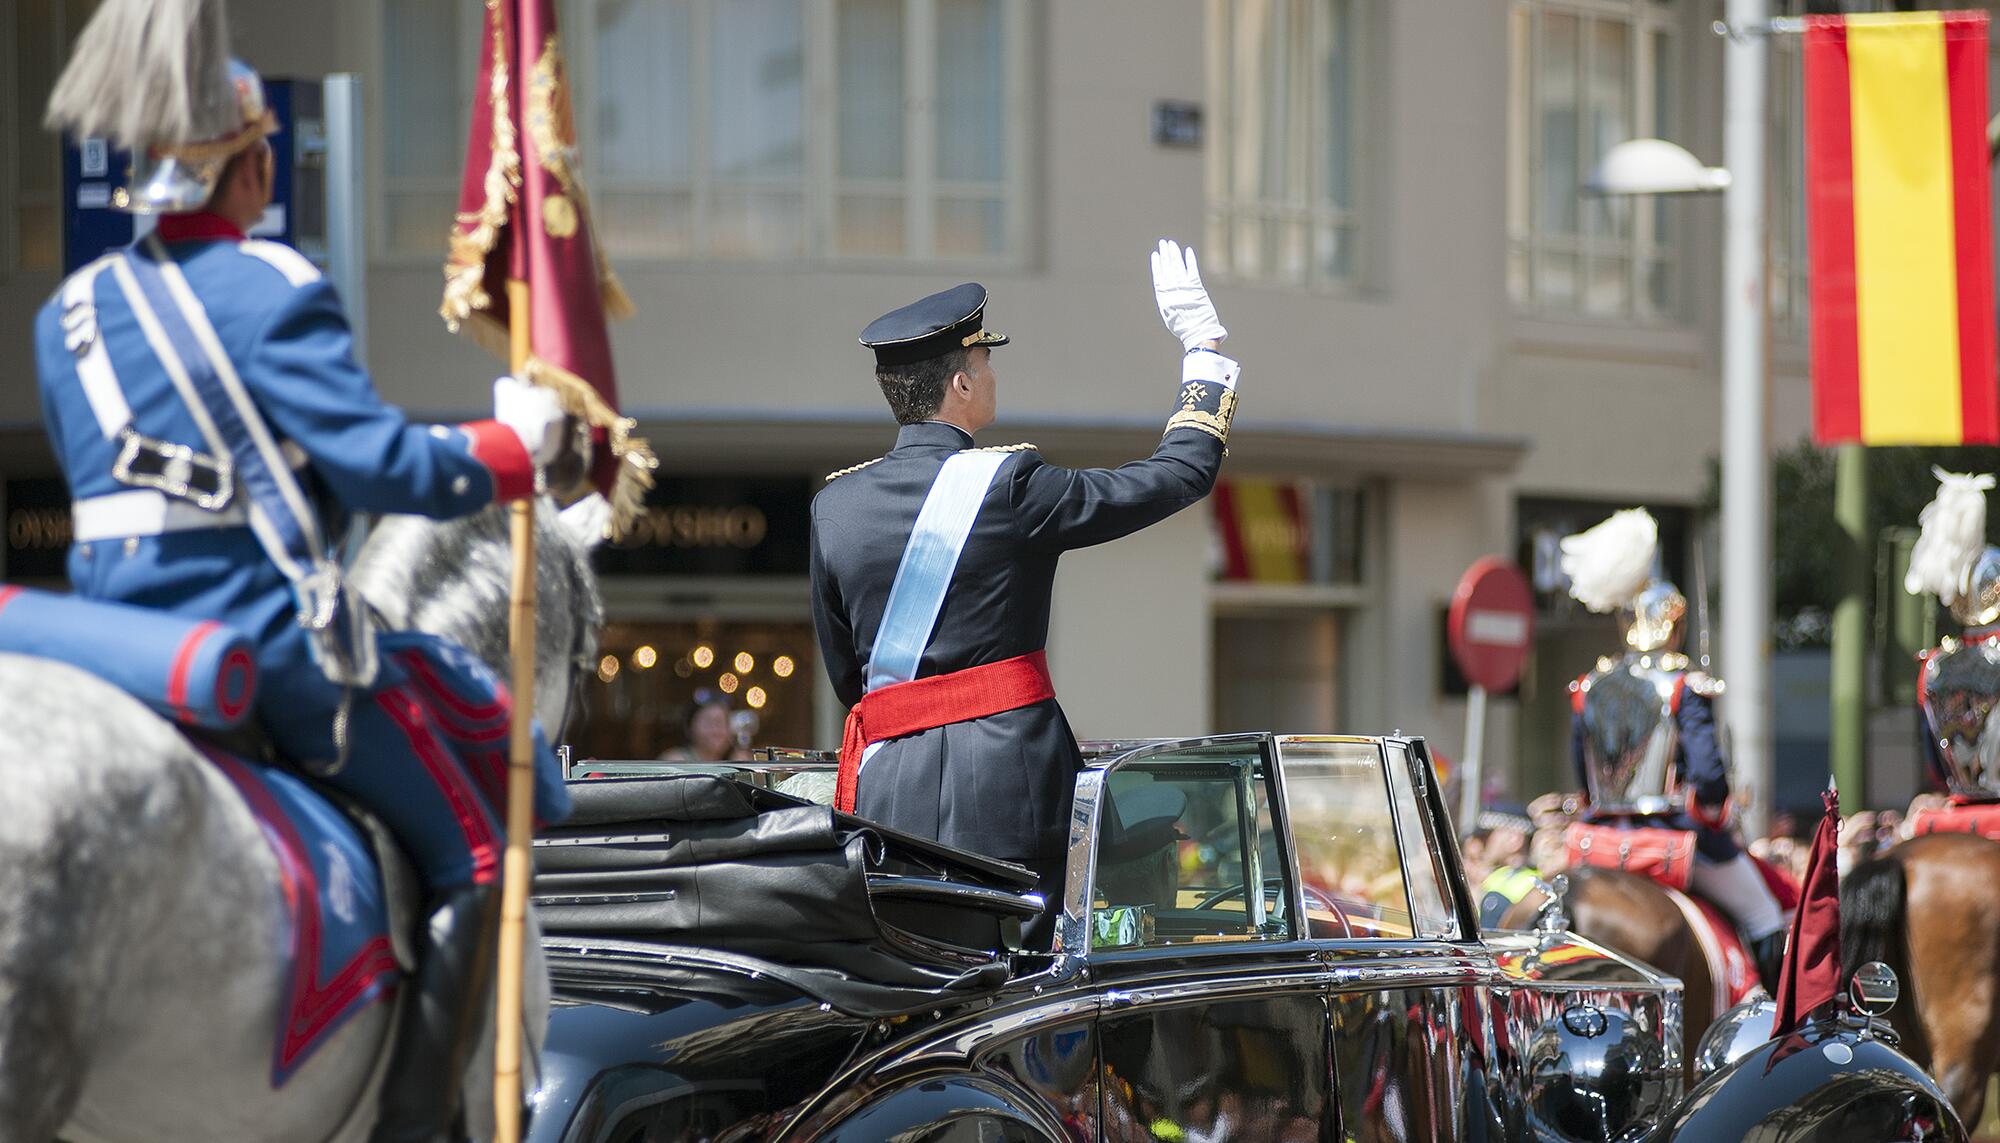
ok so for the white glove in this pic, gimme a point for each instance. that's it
(1183, 300)
(534, 414)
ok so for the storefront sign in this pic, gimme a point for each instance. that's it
(38, 528)
(710, 526)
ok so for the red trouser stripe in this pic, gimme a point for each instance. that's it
(940, 700)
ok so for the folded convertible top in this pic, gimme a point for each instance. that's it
(866, 919)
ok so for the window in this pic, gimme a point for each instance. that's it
(1786, 173)
(1284, 84)
(430, 64)
(1188, 853)
(1588, 74)
(1357, 881)
(754, 130)
(37, 41)
(1790, 277)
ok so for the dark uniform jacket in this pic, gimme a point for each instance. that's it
(1000, 785)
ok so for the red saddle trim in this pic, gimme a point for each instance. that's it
(1662, 855)
(1730, 965)
(1982, 818)
(940, 700)
(312, 1007)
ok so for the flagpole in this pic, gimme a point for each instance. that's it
(517, 867)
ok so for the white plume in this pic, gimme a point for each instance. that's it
(1954, 532)
(149, 72)
(1609, 564)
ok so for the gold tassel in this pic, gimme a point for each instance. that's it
(473, 234)
(636, 461)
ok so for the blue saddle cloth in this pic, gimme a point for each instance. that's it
(336, 915)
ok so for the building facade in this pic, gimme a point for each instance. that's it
(1450, 350)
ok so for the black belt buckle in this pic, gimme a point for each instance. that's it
(176, 470)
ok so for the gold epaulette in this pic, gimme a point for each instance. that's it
(852, 468)
(1024, 446)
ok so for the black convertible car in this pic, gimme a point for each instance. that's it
(1262, 938)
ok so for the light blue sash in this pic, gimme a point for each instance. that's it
(917, 595)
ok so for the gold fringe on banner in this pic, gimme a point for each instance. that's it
(636, 461)
(473, 237)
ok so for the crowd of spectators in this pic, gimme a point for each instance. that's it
(1514, 846)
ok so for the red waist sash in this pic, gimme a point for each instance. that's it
(940, 700)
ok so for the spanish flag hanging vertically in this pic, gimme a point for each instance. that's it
(1901, 238)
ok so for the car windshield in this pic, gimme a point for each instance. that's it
(1188, 852)
(1337, 797)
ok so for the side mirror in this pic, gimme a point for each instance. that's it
(1874, 989)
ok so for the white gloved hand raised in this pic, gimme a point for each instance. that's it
(534, 414)
(1183, 300)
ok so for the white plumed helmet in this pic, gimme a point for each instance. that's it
(1611, 563)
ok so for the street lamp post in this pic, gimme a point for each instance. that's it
(1652, 166)
(1746, 460)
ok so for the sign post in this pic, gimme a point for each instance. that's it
(1490, 627)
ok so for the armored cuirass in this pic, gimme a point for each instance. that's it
(1960, 696)
(1629, 733)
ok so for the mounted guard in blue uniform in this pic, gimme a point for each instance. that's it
(1643, 734)
(218, 438)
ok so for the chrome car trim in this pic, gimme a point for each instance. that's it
(930, 888)
(965, 1042)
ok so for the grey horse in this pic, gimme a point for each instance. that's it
(142, 927)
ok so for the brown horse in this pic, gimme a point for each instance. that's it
(1636, 917)
(1930, 909)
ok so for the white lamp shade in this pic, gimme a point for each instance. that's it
(1654, 166)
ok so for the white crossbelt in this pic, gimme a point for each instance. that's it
(145, 512)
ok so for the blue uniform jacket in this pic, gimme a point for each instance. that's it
(1698, 766)
(283, 328)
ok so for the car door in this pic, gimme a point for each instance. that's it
(1214, 1012)
(1409, 985)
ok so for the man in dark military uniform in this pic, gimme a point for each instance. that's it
(932, 569)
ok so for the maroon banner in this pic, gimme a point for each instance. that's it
(1811, 973)
(523, 215)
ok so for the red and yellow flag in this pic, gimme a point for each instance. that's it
(1264, 531)
(1901, 241)
(522, 216)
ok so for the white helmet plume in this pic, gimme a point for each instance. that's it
(1954, 532)
(1609, 564)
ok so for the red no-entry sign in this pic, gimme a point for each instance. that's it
(1492, 623)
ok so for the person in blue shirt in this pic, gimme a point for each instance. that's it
(217, 435)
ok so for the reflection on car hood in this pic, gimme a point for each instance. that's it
(716, 1051)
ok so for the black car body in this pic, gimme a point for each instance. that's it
(1261, 938)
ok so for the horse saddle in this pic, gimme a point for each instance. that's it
(1980, 817)
(1661, 855)
(343, 878)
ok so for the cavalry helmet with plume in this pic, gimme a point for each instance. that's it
(155, 77)
(1610, 569)
(1951, 558)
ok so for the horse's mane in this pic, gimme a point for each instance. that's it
(453, 577)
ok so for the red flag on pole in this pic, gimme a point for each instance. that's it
(1811, 973)
(522, 215)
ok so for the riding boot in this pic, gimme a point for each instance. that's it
(443, 1016)
(1769, 953)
